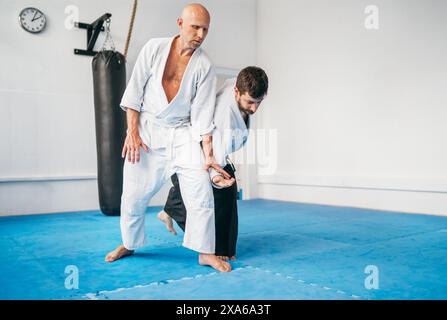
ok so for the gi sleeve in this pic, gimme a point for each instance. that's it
(134, 93)
(203, 104)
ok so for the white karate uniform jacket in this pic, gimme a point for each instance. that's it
(172, 131)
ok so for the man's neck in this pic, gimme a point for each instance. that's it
(181, 49)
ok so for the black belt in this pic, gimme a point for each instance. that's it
(229, 162)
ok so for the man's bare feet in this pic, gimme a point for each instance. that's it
(214, 262)
(226, 258)
(167, 220)
(118, 253)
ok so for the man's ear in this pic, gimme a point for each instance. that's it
(180, 22)
(236, 92)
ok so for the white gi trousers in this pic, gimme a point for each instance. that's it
(143, 179)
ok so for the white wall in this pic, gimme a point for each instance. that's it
(47, 149)
(361, 114)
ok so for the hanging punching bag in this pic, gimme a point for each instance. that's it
(109, 83)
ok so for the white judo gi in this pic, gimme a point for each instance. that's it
(172, 131)
(231, 131)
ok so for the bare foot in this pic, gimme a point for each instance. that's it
(167, 220)
(118, 253)
(214, 262)
(227, 258)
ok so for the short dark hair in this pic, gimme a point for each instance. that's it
(253, 80)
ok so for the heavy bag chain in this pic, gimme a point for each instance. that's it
(108, 40)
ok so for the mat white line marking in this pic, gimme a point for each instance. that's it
(304, 282)
(94, 296)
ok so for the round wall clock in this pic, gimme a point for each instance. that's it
(32, 20)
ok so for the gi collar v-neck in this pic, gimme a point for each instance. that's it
(169, 48)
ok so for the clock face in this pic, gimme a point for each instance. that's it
(32, 20)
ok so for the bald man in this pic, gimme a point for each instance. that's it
(169, 101)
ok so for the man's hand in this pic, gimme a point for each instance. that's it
(210, 162)
(132, 145)
(133, 142)
(222, 182)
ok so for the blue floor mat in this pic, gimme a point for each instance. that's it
(285, 251)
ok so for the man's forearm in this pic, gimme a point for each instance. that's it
(210, 161)
(133, 120)
(207, 145)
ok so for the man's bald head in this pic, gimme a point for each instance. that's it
(195, 10)
(194, 24)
